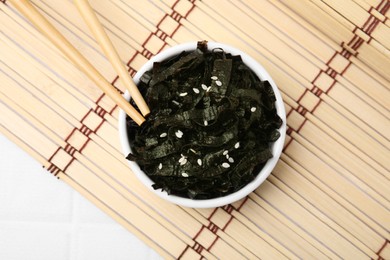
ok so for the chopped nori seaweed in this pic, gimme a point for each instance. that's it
(211, 124)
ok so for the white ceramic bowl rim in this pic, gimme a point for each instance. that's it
(276, 147)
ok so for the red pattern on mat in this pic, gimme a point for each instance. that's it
(348, 50)
(71, 150)
(346, 53)
(213, 228)
(385, 244)
(372, 21)
(161, 34)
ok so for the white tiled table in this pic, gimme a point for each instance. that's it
(42, 218)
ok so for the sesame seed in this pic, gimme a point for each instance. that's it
(214, 77)
(160, 166)
(163, 135)
(175, 102)
(225, 165)
(219, 83)
(196, 90)
(227, 156)
(184, 174)
(237, 145)
(225, 152)
(204, 87)
(183, 94)
(199, 161)
(253, 109)
(184, 161)
(179, 134)
(192, 150)
(231, 160)
(205, 122)
(208, 89)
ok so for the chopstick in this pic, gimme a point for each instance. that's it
(101, 37)
(47, 29)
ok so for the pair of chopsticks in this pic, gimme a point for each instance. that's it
(47, 29)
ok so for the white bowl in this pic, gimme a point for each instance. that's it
(276, 146)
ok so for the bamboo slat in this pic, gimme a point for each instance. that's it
(336, 31)
(351, 15)
(290, 178)
(328, 197)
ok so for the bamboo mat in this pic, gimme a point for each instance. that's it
(329, 195)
